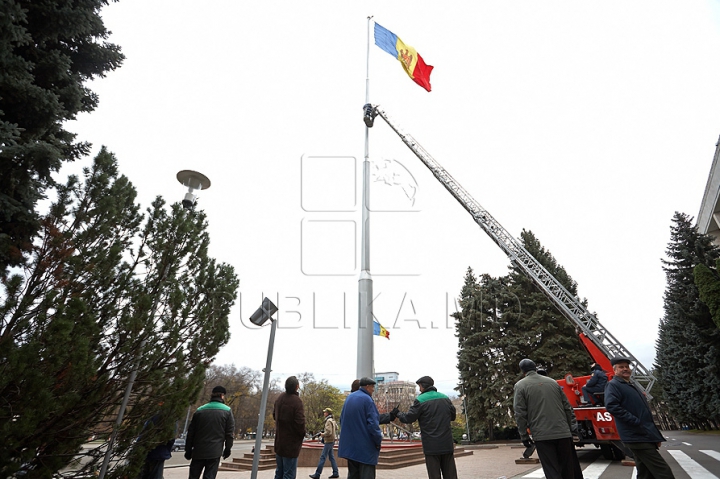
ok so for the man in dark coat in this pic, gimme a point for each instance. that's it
(596, 384)
(634, 422)
(155, 460)
(212, 426)
(289, 415)
(434, 411)
(360, 438)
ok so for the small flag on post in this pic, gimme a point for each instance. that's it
(412, 62)
(379, 330)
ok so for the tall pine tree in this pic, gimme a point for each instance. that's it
(106, 292)
(502, 321)
(48, 51)
(481, 331)
(688, 348)
(540, 331)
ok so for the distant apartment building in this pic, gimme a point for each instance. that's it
(388, 377)
(391, 392)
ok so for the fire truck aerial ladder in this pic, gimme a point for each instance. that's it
(592, 333)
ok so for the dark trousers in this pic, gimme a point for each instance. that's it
(358, 470)
(441, 464)
(648, 461)
(556, 458)
(209, 465)
(589, 394)
(152, 469)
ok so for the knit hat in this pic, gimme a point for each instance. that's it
(527, 365)
(219, 390)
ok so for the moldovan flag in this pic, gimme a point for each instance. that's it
(379, 330)
(412, 62)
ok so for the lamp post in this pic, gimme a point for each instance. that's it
(467, 421)
(194, 181)
(258, 318)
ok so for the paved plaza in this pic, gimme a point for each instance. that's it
(484, 463)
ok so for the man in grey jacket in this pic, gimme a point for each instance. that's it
(542, 408)
(212, 426)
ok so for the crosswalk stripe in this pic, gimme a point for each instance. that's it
(713, 454)
(594, 470)
(694, 470)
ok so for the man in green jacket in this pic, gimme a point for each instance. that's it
(542, 408)
(210, 436)
(434, 411)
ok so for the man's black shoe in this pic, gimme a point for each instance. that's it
(334, 476)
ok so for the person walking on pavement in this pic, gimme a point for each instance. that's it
(634, 422)
(211, 428)
(155, 459)
(289, 415)
(541, 406)
(361, 437)
(596, 384)
(434, 411)
(329, 435)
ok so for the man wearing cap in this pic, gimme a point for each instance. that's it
(328, 436)
(383, 418)
(596, 384)
(634, 422)
(434, 412)
(541, 406)
(209, 436)
(289, 415)
(361, 436)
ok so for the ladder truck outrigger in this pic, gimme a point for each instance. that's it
(596, 425)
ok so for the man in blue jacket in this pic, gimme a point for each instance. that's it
(596, 384)
(634, 422)
(360, 438)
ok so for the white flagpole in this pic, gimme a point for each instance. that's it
(365, 286)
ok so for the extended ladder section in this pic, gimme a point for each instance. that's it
(569, 305)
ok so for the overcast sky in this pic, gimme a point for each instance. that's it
(587, 123)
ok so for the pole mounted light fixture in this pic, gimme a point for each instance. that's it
(263, 313)
(194, 181)
(258, 318)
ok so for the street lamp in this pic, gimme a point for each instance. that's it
(194, 181)
(258, 318)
